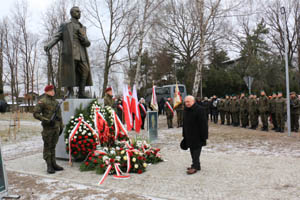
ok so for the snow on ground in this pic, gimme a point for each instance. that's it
(237, 163)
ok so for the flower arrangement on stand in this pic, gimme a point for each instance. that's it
(97, 138)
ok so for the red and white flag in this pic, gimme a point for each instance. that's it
(127, 108)
(170, 107)
(136, 110)
(143, 108)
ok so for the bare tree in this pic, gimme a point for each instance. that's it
(115, 37)
(1, 62)
(275, 22)
(146, 9)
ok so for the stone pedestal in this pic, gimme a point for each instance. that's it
(68, 108)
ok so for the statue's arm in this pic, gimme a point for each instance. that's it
(83, 37)
(56, 37)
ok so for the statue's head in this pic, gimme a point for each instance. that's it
(75, 12)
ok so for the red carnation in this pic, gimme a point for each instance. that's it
(95, 136)
(112, 160)
(88, 144)
(86, 137)
(74, 140)
(139, 157)
(102, 165)
(79, 142)
(82, 145)
(90, 158)
(148, 153)
(75, 152)
(84, 141)
(95, 161)
(79, 137)
(140, 171)
(100, 157)
(121, 149)
(86, 163)
(89, 150)
(93, 154)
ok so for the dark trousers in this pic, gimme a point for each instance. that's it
(215, 117)
(295, 122)
(143, 122)
(50, 138)
(195, 153)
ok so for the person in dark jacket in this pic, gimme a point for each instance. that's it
(195, 131)
(143, 110)
(214, 109)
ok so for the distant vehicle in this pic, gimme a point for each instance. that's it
(165, 92)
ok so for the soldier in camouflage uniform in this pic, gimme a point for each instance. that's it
(169, 112)
(221, 109)
(43, 111)
(108, 98)
(295, 106)
(263, 107)
(235, 109)
(244, 110)
(272, 111)
(280, 112)
(252, 109)
(227, 109)
(179, 112)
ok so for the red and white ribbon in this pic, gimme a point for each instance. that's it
(72, 134)
(170, 107)
(118, 172)
(119, 127)
(120, 106)
(143, 108)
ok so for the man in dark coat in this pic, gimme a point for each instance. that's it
(195, 131)
(143, 110)
(75, 67)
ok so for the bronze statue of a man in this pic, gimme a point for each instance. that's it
(75, 67)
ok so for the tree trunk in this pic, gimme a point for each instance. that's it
(1, 68)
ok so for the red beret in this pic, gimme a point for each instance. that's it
(108, 89)
(48, 88)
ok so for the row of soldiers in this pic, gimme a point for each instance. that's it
(245, 111)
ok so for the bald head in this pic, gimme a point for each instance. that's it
(189, 101)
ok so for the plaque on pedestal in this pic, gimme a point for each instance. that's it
(152, 125)
(68, 108)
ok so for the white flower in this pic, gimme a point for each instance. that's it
(89, 134)
(69, 131)
(145, 165)
(81, 115)
(136, 153)
(133, 159)
(125, 158)
(67, 141)
(72, 117)
(72, 121)
(112, 152)
(118, 158)
(105, 158)
(105, 149)
(136, 166)
(83, 133)
(117, 148)
(122, 152)
(71, 126)
(75, 137)
(141, 154)
(76, 119)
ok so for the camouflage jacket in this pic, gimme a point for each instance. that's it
(272, 105)
(44, 110)
(252, 103)
(243, 104)
(227, 105)
(280, 106)
(235, 106)
(295, 105)
(108, 100)
(263, 104)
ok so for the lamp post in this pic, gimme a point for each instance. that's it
(282, 10)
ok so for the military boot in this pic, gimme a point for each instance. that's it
(81, 94)
(55, 166)
(50, 169)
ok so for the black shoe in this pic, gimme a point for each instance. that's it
(274, 129)
(50, 169)
(56, 167)
(296, 130)
(278, 130)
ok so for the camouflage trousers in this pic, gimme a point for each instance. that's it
(170, 121)
(235, 119)
(179, 117)
(50, 138)
(264, 119)
(222, 114)
(274, 121)
(295, 121)
(244, 119)
(253, 119)
(228, 118)
(280, 120)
